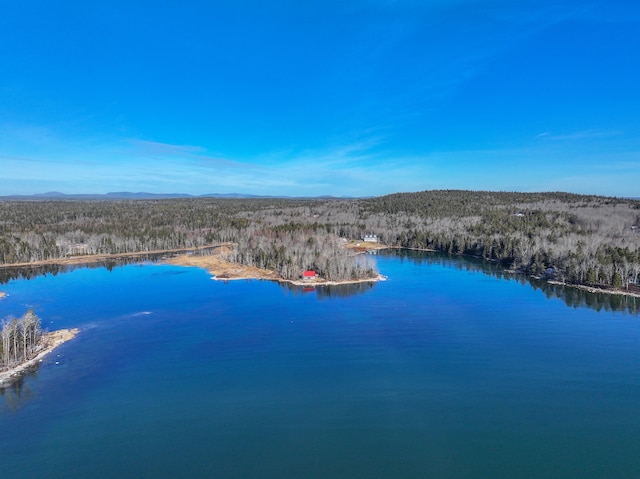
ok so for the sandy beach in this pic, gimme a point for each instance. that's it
(50, 342)
(323, 282)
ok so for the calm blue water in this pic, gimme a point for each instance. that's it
(443, 371)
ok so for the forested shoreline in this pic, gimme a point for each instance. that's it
(587, 240)
(19, 339)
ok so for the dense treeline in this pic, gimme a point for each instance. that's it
(578, 239)
(291, 252)
(36, 231)
(19, 339)
(575, 238)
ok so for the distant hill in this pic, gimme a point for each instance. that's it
(126, 195)
(55, 195)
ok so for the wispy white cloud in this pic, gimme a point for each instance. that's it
(359, 166)
(599, 11)
(447, 59)
(24, 133)
(158, 148)
(579, 135)
(183, 153)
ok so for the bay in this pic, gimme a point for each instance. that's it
(450, 368)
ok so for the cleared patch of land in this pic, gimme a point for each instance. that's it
(222, 269)
(364, 246)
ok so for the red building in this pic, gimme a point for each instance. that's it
(310, 274)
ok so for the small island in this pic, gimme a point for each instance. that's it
(23, 344)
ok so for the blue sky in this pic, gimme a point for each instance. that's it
(311, 98)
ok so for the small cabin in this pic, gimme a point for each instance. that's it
(309, 275)
(370, 238)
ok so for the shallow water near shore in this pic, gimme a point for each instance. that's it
(447, 369)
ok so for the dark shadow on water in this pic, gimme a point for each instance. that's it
(17, 395)
(30, 272)
(333, 291)
(577, 298)
(572, 296)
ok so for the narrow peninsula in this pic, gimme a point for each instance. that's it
(23, 345)
(220, 265)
